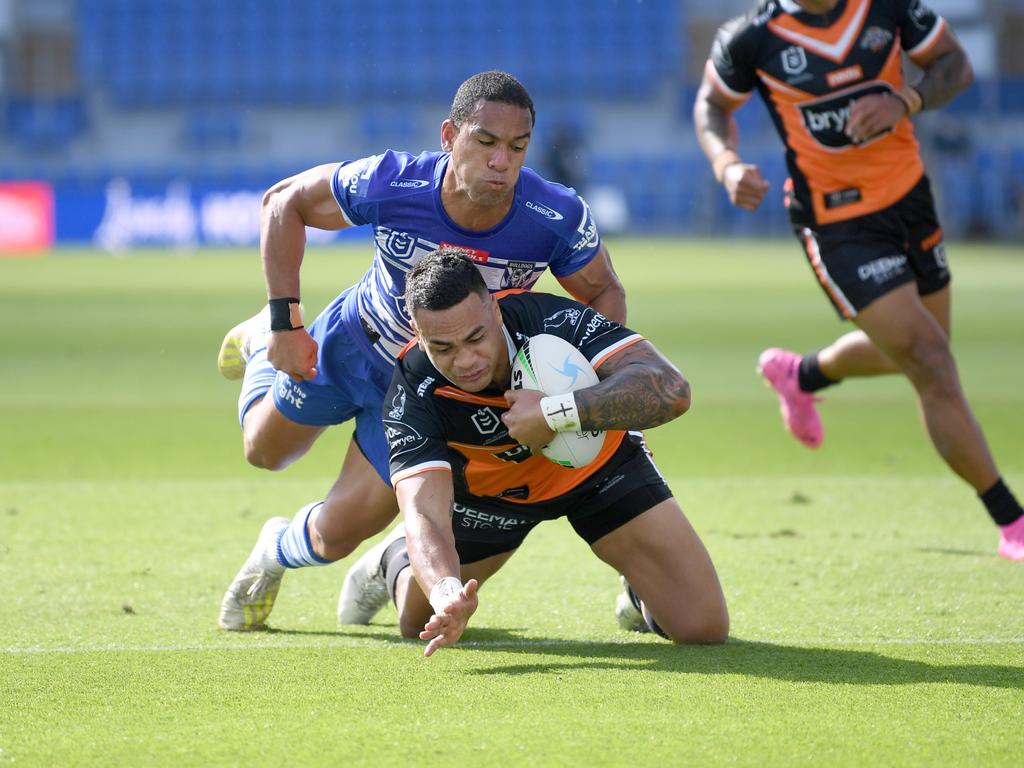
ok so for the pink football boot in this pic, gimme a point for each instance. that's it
(1011, 540)
(779, 368)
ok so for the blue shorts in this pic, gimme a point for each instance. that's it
(351, 382)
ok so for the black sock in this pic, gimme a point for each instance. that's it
(810, 376)
(1001, 504)
(394, 560)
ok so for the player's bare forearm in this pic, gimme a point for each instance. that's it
(288, 208)
(948, 75)
(639, 389)
(426, 503)
(714, 124)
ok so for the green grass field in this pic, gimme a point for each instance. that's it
(872, 622)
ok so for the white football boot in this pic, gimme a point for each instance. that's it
(365, 592)
(250, 598)
(626, 611)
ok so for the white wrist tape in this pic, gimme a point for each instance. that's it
(443, 591)
(560, 412)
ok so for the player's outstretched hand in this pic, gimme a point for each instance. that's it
(525, 422)
(745, 185)
(293, 352)
(446, 627)
(873, 114)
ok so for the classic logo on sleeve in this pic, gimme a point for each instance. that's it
(544, 211)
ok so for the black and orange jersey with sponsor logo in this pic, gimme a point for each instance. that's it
(809, 69)
(432, 425)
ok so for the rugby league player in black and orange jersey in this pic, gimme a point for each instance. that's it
(831, 75)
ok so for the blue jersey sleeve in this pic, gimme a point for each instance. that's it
(579, 246)
(351, 188)
(361, 186)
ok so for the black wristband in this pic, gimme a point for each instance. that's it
(281, 314)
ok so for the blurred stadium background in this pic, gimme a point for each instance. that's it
(159, 122)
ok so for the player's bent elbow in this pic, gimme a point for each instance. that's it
(679, 388)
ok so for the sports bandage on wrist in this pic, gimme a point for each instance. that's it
(560, 412)
(285, 314)
(443, 591)
(723, 161)
(910, 97)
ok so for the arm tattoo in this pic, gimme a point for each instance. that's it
(640, 390)
(943, 79)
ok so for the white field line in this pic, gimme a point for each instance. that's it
(492, 644)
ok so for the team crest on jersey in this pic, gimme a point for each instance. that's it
(517, 274)
(570, 317)
(794, 60)
(875, 39)
(398, 404)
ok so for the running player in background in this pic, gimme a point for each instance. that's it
(470, 481)
(475, 193)
(830, 73)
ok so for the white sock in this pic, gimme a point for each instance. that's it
(294, 549)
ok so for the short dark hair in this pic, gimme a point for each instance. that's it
(493, 85)
(442, 279)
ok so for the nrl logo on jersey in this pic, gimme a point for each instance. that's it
(794, 60)
(486, 421)
(875, 39)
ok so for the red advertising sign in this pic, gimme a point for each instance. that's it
(26, 217)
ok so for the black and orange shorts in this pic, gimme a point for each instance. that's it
(626, 487)
(861, 259)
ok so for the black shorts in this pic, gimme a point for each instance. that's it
(625, 488)
(858, 260)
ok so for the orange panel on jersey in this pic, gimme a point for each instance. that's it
(487, 475)
(863, 178)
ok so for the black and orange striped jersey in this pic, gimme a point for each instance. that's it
(432, 425)
(809, 69)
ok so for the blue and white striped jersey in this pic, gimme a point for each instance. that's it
(399, 195)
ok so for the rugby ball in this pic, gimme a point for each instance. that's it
(552, 365)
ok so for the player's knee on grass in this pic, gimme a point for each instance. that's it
(710, 627)
(706, 623)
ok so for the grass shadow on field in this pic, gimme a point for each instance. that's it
(950, 551)
(755, 659)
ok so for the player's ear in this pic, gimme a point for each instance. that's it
(448, 132)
